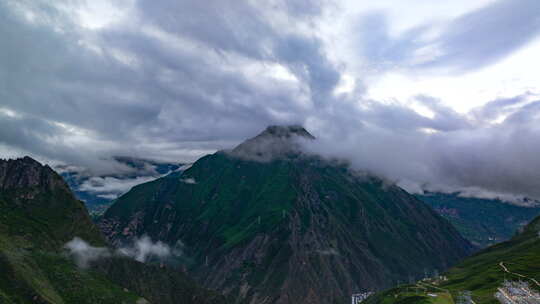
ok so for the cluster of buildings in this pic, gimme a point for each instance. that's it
(360, 297)
(464, 297)
(517, 292)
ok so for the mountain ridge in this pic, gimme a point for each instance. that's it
(286, 228)
(38, 215)
(26, 172)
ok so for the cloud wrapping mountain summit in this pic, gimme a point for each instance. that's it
(83, 81)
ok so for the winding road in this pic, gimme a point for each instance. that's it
(517, 274)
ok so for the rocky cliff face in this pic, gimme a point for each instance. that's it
(39, 197)
(27, 173)
(283, 227)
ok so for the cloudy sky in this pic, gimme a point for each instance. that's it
(431, 95)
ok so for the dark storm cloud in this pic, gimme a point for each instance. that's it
(49, 75)
(489, 34)
(179, 79)
(20, 132)
(495, 108)
(147, 83)
(307, 61)
(397, 117)
(469, 42)
(223, 25)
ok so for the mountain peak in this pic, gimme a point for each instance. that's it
(27, 172)
(297, 229)
(274, 142)
(286, 131)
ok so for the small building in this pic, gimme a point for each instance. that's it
(360, 297)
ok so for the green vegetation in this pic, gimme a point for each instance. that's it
(38, 215)
(293, 226)
(482, 273)
(34, 268)
(420, 297)
(239, 199)
(424, 292)
(442, 298)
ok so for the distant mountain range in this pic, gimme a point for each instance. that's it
(38, 216)
(265, 223)
(99, 190)
(484, 222)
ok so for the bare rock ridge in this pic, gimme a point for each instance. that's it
(27, 172)
(286, 131)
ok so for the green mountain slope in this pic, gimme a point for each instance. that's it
(483, 272)
(267, 224)
(38, 207)
(484, 222)
(38, 215)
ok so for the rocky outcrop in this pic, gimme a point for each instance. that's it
(49, 214)
(273, 143)
(26, 173)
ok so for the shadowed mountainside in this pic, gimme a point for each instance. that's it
(266, 223)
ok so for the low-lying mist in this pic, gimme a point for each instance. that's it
(141, 249)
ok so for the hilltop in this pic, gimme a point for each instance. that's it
(38, 216)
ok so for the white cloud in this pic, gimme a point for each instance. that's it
(141, 249)
(144, 249)
(112, 185)
(464, 92)
(84, 253)
(188, 180)
(108, 196)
